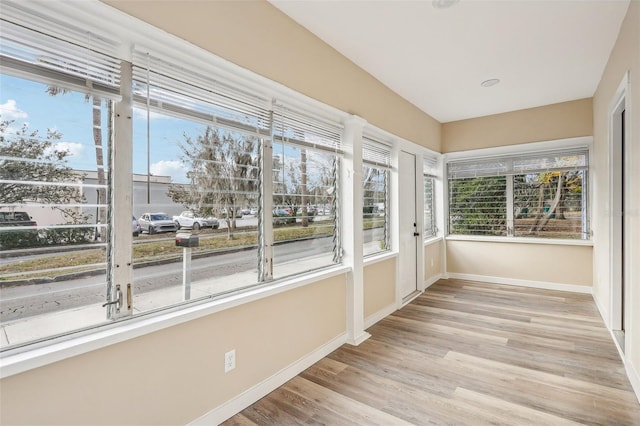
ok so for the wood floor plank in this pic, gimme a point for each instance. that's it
(466, 353)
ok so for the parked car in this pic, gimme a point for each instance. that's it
(153, 223)
(16, 219)
(135, 227)
(192, 220)
(283, 217)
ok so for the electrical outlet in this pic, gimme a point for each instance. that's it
(229, 360)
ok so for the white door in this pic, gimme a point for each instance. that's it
(408, 263)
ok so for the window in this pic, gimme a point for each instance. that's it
(196, 170)
(540, 195)
(306, 156)
(255, 181)
(429, 175)
(56, 109)
(376, 167)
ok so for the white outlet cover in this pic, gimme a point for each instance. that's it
(229, 361)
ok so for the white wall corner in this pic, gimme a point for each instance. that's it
(253, 394)
(380, 315)
(434, 279)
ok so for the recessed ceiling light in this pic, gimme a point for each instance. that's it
(490, 82)
(443, 4)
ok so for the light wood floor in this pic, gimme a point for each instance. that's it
(466, 353)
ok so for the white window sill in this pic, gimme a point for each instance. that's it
(26, 358)
(520, 240)
(379, 257)
(432, 240)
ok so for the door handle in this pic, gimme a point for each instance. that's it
(416, 234)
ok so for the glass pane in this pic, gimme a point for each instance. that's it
(429, 208)
(196, 180)
(53, 209)
(375, 210)
(303, 209)
(550, 205)
(477, 206)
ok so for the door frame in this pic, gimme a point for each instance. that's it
(619, 171)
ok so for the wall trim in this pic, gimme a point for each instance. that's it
(634, 377)
(253, 394)
(523, 283)
(431, 281)
(380, 315)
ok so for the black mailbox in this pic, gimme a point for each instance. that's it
(184, 239)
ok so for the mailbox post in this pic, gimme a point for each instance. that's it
(186, 241)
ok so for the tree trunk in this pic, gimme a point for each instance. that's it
(554, 206)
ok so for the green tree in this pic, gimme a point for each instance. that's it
(223, 174)
(27, 162)
(477, 206)
(98, 143)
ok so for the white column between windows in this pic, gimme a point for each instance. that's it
(351, 212)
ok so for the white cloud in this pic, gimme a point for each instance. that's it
(173, 168)
(10, 111)
(75, 149)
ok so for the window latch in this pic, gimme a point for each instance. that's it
(117, 301)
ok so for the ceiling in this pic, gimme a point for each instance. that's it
(543, 52)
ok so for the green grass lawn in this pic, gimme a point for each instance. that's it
(153, 248)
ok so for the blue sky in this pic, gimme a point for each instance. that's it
(25, 101)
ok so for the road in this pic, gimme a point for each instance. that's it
(23, 301)
(18, 302)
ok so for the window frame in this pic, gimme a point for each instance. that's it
(527, 149)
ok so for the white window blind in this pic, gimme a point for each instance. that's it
(306, 129)
(575, 159)
(376, 153)
(166, 86)
(430, 166)
(36, 46)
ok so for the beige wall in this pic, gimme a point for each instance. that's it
(522, 261)
(624, 57)
(551, 122)
(379, 286)
(174, 376)
(433, 260)
(258, 37)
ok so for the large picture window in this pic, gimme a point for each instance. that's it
(255, 183)
(539, 195)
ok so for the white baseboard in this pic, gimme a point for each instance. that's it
(381, 314)
(248, 397)
(431, 281)
(523, 283)
(634, 378)
(604, 313)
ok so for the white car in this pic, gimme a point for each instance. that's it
(153, 223)
(191, 220)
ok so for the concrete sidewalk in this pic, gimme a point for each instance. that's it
(55, 323)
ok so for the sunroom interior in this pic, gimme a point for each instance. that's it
(162, 359)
